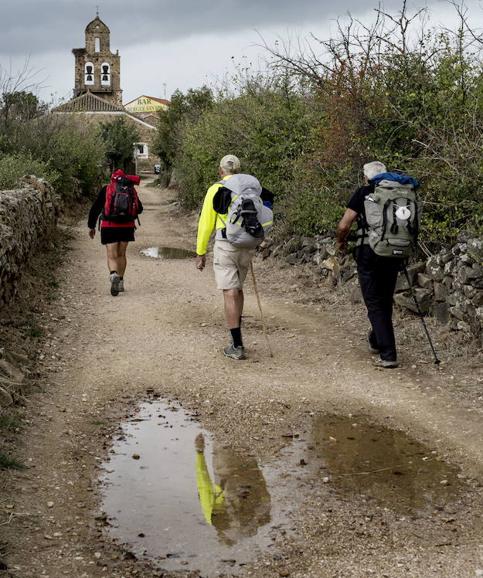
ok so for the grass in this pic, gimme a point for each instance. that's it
(10, 422)
(8, 463)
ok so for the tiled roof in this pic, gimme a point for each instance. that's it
(88, 102)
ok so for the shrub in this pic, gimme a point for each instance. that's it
(14, 167)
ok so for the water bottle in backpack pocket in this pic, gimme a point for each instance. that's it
(392, 219)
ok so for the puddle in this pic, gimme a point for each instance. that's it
(173, 495)
(179, 506)
(364, 460)
(167, 253)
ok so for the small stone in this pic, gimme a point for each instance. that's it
(326, 480)
(283, 573)
(50, 504)
(136, 457)
(97, 555)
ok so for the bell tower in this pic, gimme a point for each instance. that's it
(97, 69)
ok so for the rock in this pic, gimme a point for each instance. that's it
(406, 300)
(440, 291)
(292, 259)
(463, 326)
(475, 249)
(467, 274)
(457, 312)
(434, 269)
(440, 311)
(425, 281)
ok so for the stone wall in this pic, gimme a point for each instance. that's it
(448, 285)
(27, 217)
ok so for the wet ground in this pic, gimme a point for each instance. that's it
(173, 495)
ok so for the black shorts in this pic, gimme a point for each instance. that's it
(117, 235)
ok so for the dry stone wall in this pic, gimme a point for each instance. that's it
(28, 216)
(448, 285)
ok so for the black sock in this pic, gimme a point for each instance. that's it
(236, 336)
(112, 272)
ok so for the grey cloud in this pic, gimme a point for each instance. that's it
(35, 26)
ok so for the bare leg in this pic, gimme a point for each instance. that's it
(113, 257)
(233, 307)
(122, 260)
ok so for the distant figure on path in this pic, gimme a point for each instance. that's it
(237, 236)
(118, 207)
(377, 274)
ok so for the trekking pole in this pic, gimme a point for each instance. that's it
(437, 361)
(262, 317)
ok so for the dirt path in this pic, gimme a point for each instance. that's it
(164, 335)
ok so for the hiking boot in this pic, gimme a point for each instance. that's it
(121, 285)
(234, 352)
(387, 364)
(370, 342)
(115, 280)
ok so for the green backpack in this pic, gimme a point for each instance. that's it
(392, 219)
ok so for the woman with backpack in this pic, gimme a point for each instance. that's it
(118, 206)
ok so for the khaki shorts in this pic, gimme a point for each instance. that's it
(230, 265)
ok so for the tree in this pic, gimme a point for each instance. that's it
(119, 138)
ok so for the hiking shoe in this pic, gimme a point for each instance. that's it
(234, 352)
(115, 280)
(372, 348)
(121, 285)
(387, 364)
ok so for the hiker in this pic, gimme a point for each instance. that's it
(387, 214)
(236, 502)
(118, 207)
(239, 209)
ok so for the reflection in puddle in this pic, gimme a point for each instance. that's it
(167, 253)
(174, 495)
(363, 459)
(184, 499)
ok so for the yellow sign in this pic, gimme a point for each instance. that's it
(145, 104)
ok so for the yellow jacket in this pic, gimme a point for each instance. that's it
(210, 494)
(209, 219)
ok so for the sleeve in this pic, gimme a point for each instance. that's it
(207, 221)
(356, 202)
(96, 208)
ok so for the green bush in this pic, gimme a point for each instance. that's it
(14, 167)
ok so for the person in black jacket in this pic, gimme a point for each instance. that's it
(377, 275)
(114, 235)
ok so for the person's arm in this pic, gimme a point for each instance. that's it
(206, 226)
(96, 210)
(343, 229)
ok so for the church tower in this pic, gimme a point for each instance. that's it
(97, 69)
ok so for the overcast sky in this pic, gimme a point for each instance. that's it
(169, 44)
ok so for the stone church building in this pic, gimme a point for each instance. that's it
(98, 94)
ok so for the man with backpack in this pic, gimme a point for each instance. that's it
(239, 210)
(387, 213)
(118, 206)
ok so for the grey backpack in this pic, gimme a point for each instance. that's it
(392, 219)
(248, 219)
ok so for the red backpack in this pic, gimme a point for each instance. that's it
(122, 201)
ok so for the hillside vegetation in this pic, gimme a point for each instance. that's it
(394, 90)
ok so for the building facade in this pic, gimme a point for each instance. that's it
(97, 69)
(98, 94)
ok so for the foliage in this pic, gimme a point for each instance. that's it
(184, 108)
(391, 90)
(14, 167)
(62, 149)
(119, 137)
